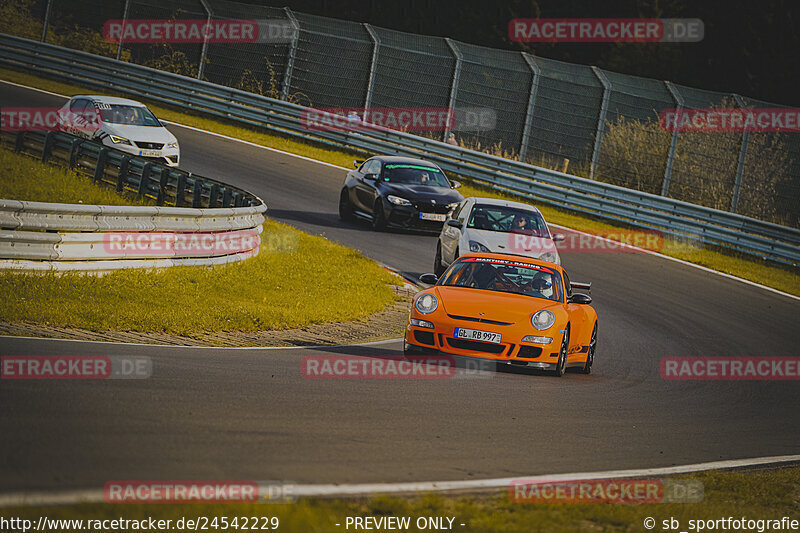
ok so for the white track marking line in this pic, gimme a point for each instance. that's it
(185, 346)
(681, 261)
(71, 497)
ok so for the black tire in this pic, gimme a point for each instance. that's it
(587, 367)
(438, 269)
(345, 209)
(378, 216)
(561, 365)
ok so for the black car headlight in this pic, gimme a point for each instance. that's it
(396, 200)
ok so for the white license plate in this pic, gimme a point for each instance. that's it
(433, 216)
(477, 335)
(150, 153)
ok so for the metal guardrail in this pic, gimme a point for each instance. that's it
(40, 236)
(165, 185)
(603, 200)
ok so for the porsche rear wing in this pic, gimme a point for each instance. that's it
(579, 285)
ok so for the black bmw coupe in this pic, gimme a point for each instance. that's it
(399, 192)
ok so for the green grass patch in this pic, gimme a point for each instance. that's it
(296, 279)
(758, 495)
(782, 278)
(24, 178)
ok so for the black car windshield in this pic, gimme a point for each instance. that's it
(500, 275)
(507, 219)
(127, 115)
(409, 174)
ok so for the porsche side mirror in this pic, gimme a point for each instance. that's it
(357, 163)
(454, 222)
(559, 237)
(370, 177)
(428, 279)
(455, 184)
(579, 298)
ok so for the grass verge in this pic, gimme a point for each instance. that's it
(296, 279)
(755, 495)
(25, 178)
(779, 277)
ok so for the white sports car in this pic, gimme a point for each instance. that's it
(496, 226)
(122, 124)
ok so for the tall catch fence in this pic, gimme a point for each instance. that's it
(574, 118)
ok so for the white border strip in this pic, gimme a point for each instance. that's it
(681, 261)
(73, 497)
(189, 346)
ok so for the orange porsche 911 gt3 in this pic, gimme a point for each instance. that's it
(506, 308)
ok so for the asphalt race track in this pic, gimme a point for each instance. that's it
(250, 414)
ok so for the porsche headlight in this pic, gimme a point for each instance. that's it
(549, 256)
(543, 319)
(396, 200)
(427, 303)
(475, 246)
(116, 139)
(173, 144)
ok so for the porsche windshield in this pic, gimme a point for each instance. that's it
(414, 175)
(127, 115)
(507, 219)
(505, 276)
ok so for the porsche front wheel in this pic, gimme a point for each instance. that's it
(587, 367)
(561, 365)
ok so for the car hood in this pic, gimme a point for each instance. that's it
(512, 243)
(140, 133)
(500, 306)
(442, 195)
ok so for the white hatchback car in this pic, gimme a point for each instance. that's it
(497, 226)
(126, 125)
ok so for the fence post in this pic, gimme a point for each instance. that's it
(526, 131)
(454, 86)
(376, 42)
(674, 142)
(46, 20)
(740, 164)
(287, 77)
(202, 67)
(601, 120)
(124, 21)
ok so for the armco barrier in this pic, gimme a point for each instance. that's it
(223, 225)
(672, 217)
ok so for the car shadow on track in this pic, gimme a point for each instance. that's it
(466, 364)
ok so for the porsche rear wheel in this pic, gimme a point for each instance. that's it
(378, 216)
(345, 209)
(587, 367)
(561, 365)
